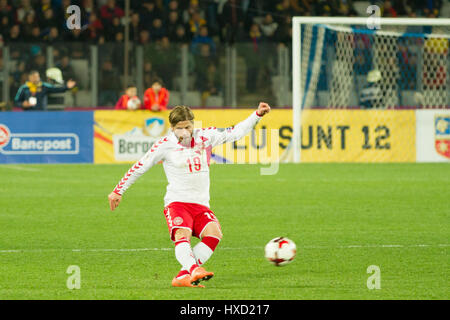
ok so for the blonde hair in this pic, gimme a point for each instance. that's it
(180, 113)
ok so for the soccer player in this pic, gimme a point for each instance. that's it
(185, 154)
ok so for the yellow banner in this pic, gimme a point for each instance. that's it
(125, 136)
(327, 135)
(358, 136)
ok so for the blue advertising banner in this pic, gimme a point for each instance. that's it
(46, 137)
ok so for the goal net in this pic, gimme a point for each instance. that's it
(355, 89)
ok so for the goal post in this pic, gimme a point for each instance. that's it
(342, 65)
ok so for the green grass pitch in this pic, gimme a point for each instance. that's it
(343, 218)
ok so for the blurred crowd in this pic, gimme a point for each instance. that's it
(28, 26)
(193, 21)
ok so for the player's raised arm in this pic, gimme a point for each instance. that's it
(152, 157)
(220, 136)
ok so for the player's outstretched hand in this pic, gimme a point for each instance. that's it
(263, 108)
(114, 200)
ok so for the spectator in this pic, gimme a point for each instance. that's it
(165, 59)
(88, 7)
(43, 6)
(111, 29)
(149, 74)
(68, 72)
(180, 36)
(62, 9)
(23, 10)
(268, 27)
(283, 35)
(49, 21)
(130, 93)
(192, 9)
(38, 62)
(231, 21)
(203, 38)
(172, 22)
(157, 30)
(212, 16)
(119, 37)
(209, 83)
(346, 9)
(18, 76)
(35, 35)
(6, 10)
(33, 94)
(407, 61)
(66, 69)
(363, 61)
(156, 98)
(110, 11)
(253, 57)
(202, 61)
(387, 10)
(14, 35)
(28, 25)
(174, 7)
(135, 27)
(108, 84)
(432, 8)
(371, 95)
(284, 8)
(195, 22)
(144, 37)
(75, 35)
(255, 35)
(256, 8)
(5, 24)
(94, 28)
(149, 12)
(322, 8)
(116, 53)
(302, 7)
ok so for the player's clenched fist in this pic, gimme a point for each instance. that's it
(263, 108)
(114, 200)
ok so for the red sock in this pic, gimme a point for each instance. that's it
(204, 249)
(211, 242)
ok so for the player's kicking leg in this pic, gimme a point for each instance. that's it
(210, 237)
(185, 256)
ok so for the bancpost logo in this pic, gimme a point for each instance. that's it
(134, 144)
(38, 143)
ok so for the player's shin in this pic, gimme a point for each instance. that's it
(184, 254)
(204, 249)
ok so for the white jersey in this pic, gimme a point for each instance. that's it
(186, 168)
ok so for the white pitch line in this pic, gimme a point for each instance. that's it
(20, 168)
(225, 248)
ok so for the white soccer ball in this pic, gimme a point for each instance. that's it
(280, 251)
(134, 103)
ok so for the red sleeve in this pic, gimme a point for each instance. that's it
(98, 24)
(104, 13)
(119, 103)
(165, 99)
(147, 100)
(119, 12)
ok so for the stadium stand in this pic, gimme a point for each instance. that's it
(36, 34)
